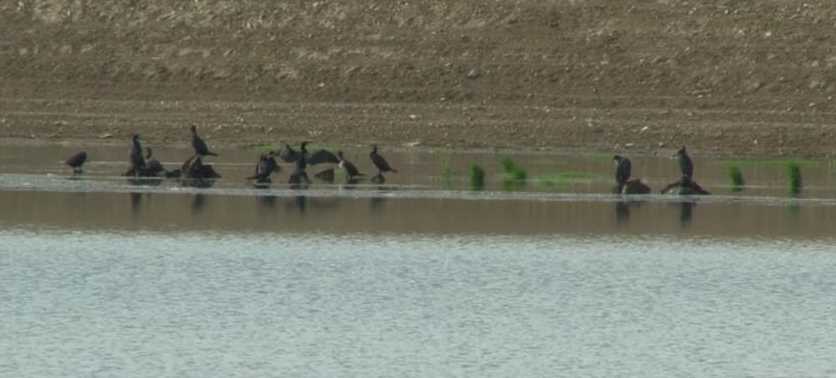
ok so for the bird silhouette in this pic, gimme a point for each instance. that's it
(379, 162)
(686, 166)
(264, 168)
(199, 145)
(137, 160)
(77, 161)
(350, 169)
(623, 169)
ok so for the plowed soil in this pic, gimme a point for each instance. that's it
(723, 77)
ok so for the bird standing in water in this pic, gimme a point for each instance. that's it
(199, 145)
(379, 162)
(686, 166)
(76, 161)
(266, 166)
(137, 160)
(623, 169)
(300, 175)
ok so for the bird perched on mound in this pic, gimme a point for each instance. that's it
(137, 160)
(350, 169)
(289, 155)
(686, 166)
(153, 167)
(199, 145)
(77, 161)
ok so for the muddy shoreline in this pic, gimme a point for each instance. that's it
(462, 126)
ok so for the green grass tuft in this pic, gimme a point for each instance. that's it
(514, 176)
(477, 177)
(736, 176)
(794, 175)
(446, 175)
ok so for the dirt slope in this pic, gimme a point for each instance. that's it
(733, 76)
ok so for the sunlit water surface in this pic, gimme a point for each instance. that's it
(265, 304)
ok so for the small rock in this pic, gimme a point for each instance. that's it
(661, 144)
(755, 142)
(321, 85)
(628, 145)
(413, 117)
(644, 129)
(473, 73)
(413, 144)
(106, 136)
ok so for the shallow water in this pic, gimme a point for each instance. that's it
(100, 276)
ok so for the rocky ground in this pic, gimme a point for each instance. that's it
(744, 77)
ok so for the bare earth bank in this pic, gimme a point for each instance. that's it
(725, 78)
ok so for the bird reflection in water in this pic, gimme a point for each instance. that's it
(198, 203)
(622, 212)
(376, 203)
(686, 212)
(268, 201)
(136, 202)
(301, 203)
(623, 208)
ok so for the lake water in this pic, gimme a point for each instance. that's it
(417, 277)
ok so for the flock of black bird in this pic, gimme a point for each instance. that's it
(144, 165)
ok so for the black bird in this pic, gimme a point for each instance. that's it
(302, 158)
(686, 166)
(380, 162)
(137, 161)
(266, 166)
(623, 169)
(76, 161)
(350, 169)
(300, 175)
(153, 167)
(195, 169)
(199, 145)
(289, 155)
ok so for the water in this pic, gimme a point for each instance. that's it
(100, 276)
(201, 305)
